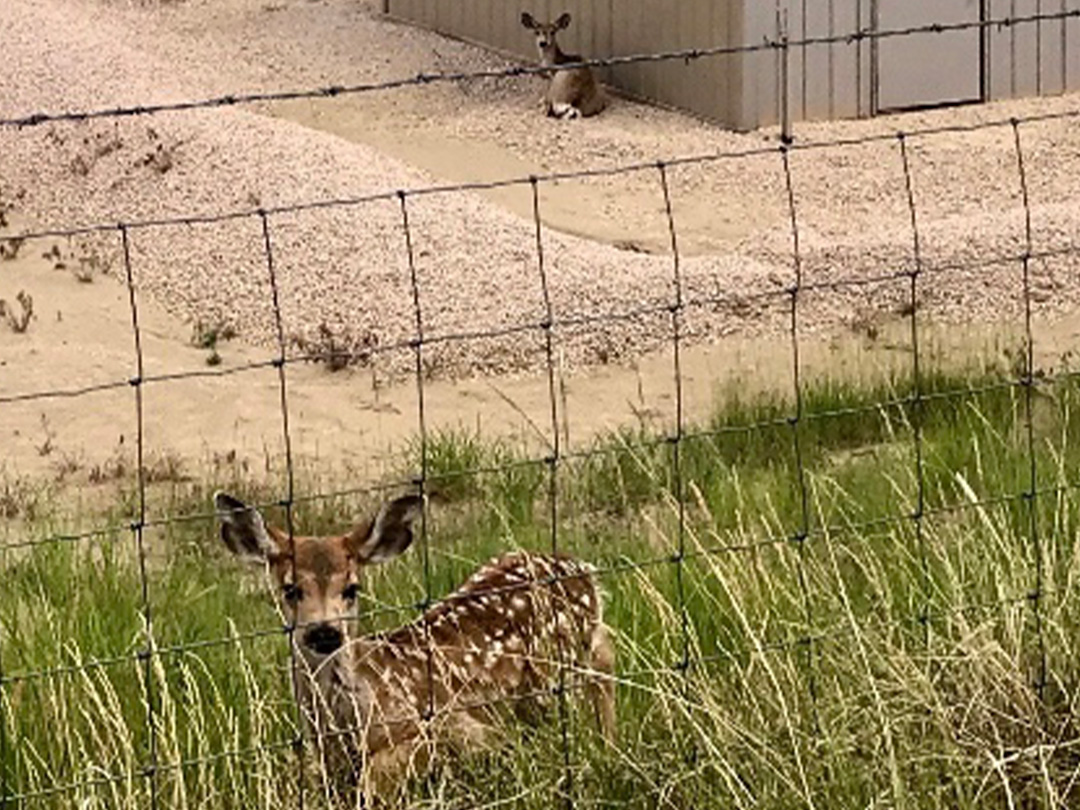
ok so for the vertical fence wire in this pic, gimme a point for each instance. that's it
(146, 654)
(916, 399)
(298, 671)
(677, 441)
(796, 420)
(677, 310)
(421, 483)
(1028, 383)
(553, 460)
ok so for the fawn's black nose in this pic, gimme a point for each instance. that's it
(323, 639)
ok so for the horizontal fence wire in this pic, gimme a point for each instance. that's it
(630, 680)
(700, 302)
(692, 543)
(433, 480)
(422, 79)
(702, 551)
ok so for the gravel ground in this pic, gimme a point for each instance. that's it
(344, 269)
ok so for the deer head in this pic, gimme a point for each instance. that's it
(317, 577)
(546, 34)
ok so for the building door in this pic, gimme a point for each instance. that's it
(927, 69)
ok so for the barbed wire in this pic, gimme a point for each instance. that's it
(689, 543)
(423, 79)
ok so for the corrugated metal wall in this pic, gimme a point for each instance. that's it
(865, 77)
(835, 80)
(1041, 58)
(602, 28)
(906, 76)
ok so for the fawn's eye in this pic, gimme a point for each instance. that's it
(292, 593)
(349, 593)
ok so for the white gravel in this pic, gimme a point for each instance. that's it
(345, 267)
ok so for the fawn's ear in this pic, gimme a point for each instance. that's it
(527, 20)
(389, 534)
(243, 530)
(563, 21)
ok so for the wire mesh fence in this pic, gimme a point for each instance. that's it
(710, 629)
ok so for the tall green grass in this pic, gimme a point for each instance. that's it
(848, 609)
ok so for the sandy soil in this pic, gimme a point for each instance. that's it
(344, 269)
(353, 423)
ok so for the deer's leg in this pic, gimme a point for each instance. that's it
(388, 770)
(601, 680)
(562, 109)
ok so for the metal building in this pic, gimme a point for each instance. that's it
(1036, 53)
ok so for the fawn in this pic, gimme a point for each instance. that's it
(572, 92)
(384, 700)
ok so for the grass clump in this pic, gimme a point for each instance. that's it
(860, 602)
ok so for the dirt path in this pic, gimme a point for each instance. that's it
(625, 215)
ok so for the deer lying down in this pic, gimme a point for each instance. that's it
(492, 647)
(573, 92)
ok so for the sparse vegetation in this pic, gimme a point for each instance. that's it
(54, 255)
(839, 652)
(23, 499)
(83, 258)
(209, 335)
(7, 205)
(89, 266)
(206, 335)
(337, 350)
(164, 467)
(158, 467)
(19, 321)
(10, 247)
(48, 444)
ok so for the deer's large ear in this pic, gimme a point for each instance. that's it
(243, 530)
(563, 21)
(389, 534)
(527, 20)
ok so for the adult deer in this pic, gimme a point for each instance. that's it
(572, 92)
(493, 647)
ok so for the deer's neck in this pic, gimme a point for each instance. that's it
(549, 57)
(334, 698)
